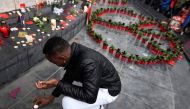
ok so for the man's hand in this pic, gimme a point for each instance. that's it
(43, 101)
(47, 84)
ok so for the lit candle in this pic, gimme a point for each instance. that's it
(15, 46)
(18, 43)
(22, 41)
(24, 45)
(48, 35)
(40, 40)
(13, 38)
(36, 106)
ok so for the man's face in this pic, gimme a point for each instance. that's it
(58, 60)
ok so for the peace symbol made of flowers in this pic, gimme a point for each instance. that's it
(170, 56)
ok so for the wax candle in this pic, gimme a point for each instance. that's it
(36, 106)
(15, 46)
(18, 43)
(48, 35)
(22, 41)
(40, 40)
(13, 38)
(53, 24)
(24, 45)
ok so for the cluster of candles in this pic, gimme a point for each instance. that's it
(29, 38)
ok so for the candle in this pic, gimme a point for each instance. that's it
(28, 28)
(24, 45)
(53, 24)
(18, 43)
(33, 34)
(40, 40)
(24, 28)
(22, 41)
(63, 2)
(48, 35)
(15, 46)
(18, 12)
(36, 106)
(13, 38)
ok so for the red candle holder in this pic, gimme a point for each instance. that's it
(1, 42)
(4, 29)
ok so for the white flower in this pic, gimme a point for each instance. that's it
(44, 19)
(36, 19)
(29, 38)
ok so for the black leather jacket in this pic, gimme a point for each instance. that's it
(93, 70)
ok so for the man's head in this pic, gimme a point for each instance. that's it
(57, 51)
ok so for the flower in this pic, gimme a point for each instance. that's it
(44, 19)
(36, 19)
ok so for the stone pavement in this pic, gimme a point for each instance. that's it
(143, 87)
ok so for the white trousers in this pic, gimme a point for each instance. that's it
(103, 98)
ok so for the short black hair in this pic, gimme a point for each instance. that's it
(55, 45)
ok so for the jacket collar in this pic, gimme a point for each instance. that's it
(74, 54)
